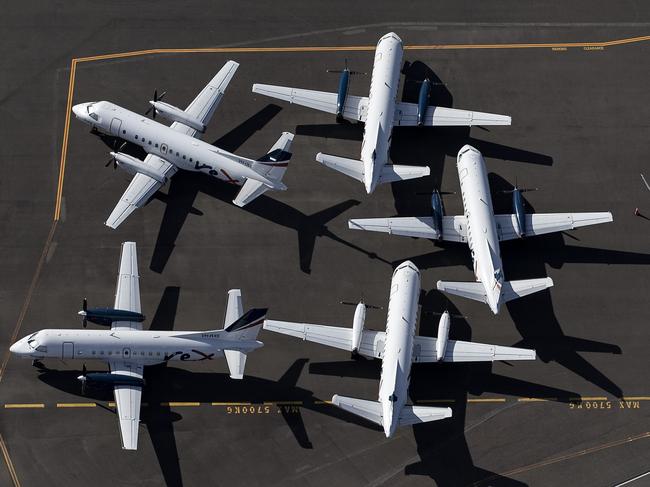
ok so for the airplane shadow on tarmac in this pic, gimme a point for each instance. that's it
(185, 186)
(442, 448)
(533, 315)
(165, 384)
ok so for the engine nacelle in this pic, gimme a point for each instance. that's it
(437, 211)
(520, 213)
(175, 114)
(423, 100)
(106, 316)
(133, 165)
(357, 326)
(443, 336)
(106, 378)
(342, 93)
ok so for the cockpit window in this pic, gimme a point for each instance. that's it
(91, 113)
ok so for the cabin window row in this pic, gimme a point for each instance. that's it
(110, 352)
(169, 150)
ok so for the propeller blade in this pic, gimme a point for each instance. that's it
(150, 108)
(452, 315)
(83, 370)
(368, 306)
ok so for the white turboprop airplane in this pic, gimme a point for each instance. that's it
(380, 111)
(178, 147)
(483, 230)
(398, 348)
(127, 348)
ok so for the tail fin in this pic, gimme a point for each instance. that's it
(274, 163)
(271, 167)
(245, 327)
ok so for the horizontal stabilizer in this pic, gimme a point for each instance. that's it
(422, 414)
(236, 363)
(470, 290)
(370, 410)
(517, 289)
(349, 167)
(394, 172)
(509, 291)
(249, 191)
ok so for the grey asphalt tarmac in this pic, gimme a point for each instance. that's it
(580, 413)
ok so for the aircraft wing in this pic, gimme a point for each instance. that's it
(406, 114)
(424, 350)
(141, 188)
(127, 400)
(541, 223)
(204, 105)
(355, 106)
(454, 228)
(127, 293)
(372, 342)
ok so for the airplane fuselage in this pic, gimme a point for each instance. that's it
(398, 348)
(384, 86)
(178, 148)
(144, 347)
(482, 236)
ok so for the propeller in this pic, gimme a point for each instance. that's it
(115, 149)
(368, 306)
(84, 310)
(346, 69)
(155, 99)
(83, 380)
(452, 315)
(429, 193)
(517, 188)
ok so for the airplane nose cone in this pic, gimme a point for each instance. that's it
(16, 347)
(78, 110)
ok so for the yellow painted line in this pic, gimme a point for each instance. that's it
(180, 404)
(587, 398)
(231, 404)
(322, 402)
(490, 399)
(285, 403)
(568, 456)
(10, 465)
(111, 404)
(33, 405)
(76, 405)
(425, 47)
(64, 146)
(636, 398)
(28, 298)
(536, 399)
